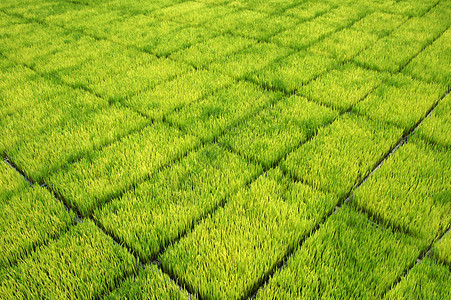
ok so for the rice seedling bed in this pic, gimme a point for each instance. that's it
(217, 149)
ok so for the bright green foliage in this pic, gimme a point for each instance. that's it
(266, 6)
(250, 59)
(401, 101)
(139, 78)
(409, 7)
(272, 133)
(28, 105)
(140, 6)
(38, 155)
(379, 23)
(84, 263)
(344, 44)
(116, 71)
(212, 115)
(19, 86)
(175, 94)
(7, 20)
(437, 126)
(192, 13)
(67, 57)
(141, 31)
(88, 182)
(427, 280)
(342, 154)
(156, 212)
(151, 283)
(307, 10)
(39, 10)
(202, 54)
(411, 190)
(252, 24)
(228, 254)
(293, 71)
(347, 258)
(30, 217)
(98, 21)
(307, 33)
(343, 87)
(10, 181)
(393, 52)
(442, 249)
(434, 63)
(26, 42)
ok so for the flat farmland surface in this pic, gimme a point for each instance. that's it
(218, 149)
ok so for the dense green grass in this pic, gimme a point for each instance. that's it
(158, 211)
(411, 190)
(228, 254)
(224, 149)
(340, 155)
(426, 280)
(150, 284)
(348, 257)
(83, 263)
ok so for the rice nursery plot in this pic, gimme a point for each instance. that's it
(225, 149)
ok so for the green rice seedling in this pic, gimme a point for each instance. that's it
(275, 131)
(211, 116)
(199, 13)
(427, 280)
(228, 254)
(202, 54)
(379, 23)
(437, 126)
(250, 59)
(304, 34)
(12, 75)
(39, 10)
(434, 63)
(442, 249)
(342, 154)
(41, 154)
(344, 44)
(393, 52)
(151, 283)
(30, 104)
(30, 217)
(142, 31)
(400, 100)
(172, 12)
(108, 59)
(7, 20)
(10, 181)
(24, 43)
(290, 73)
(161, 209)
(135, 7)
(97, 21)
(349, 257)
(264, 6)
(91, 181)
(411, 190)
(67, 57)
(411, 8)
(342, 88)
(178, 39)
(307, 10)
(139, 78)
(252, 24)
(183, 90)
(83, 263)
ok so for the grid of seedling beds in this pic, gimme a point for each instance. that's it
(215, 149)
